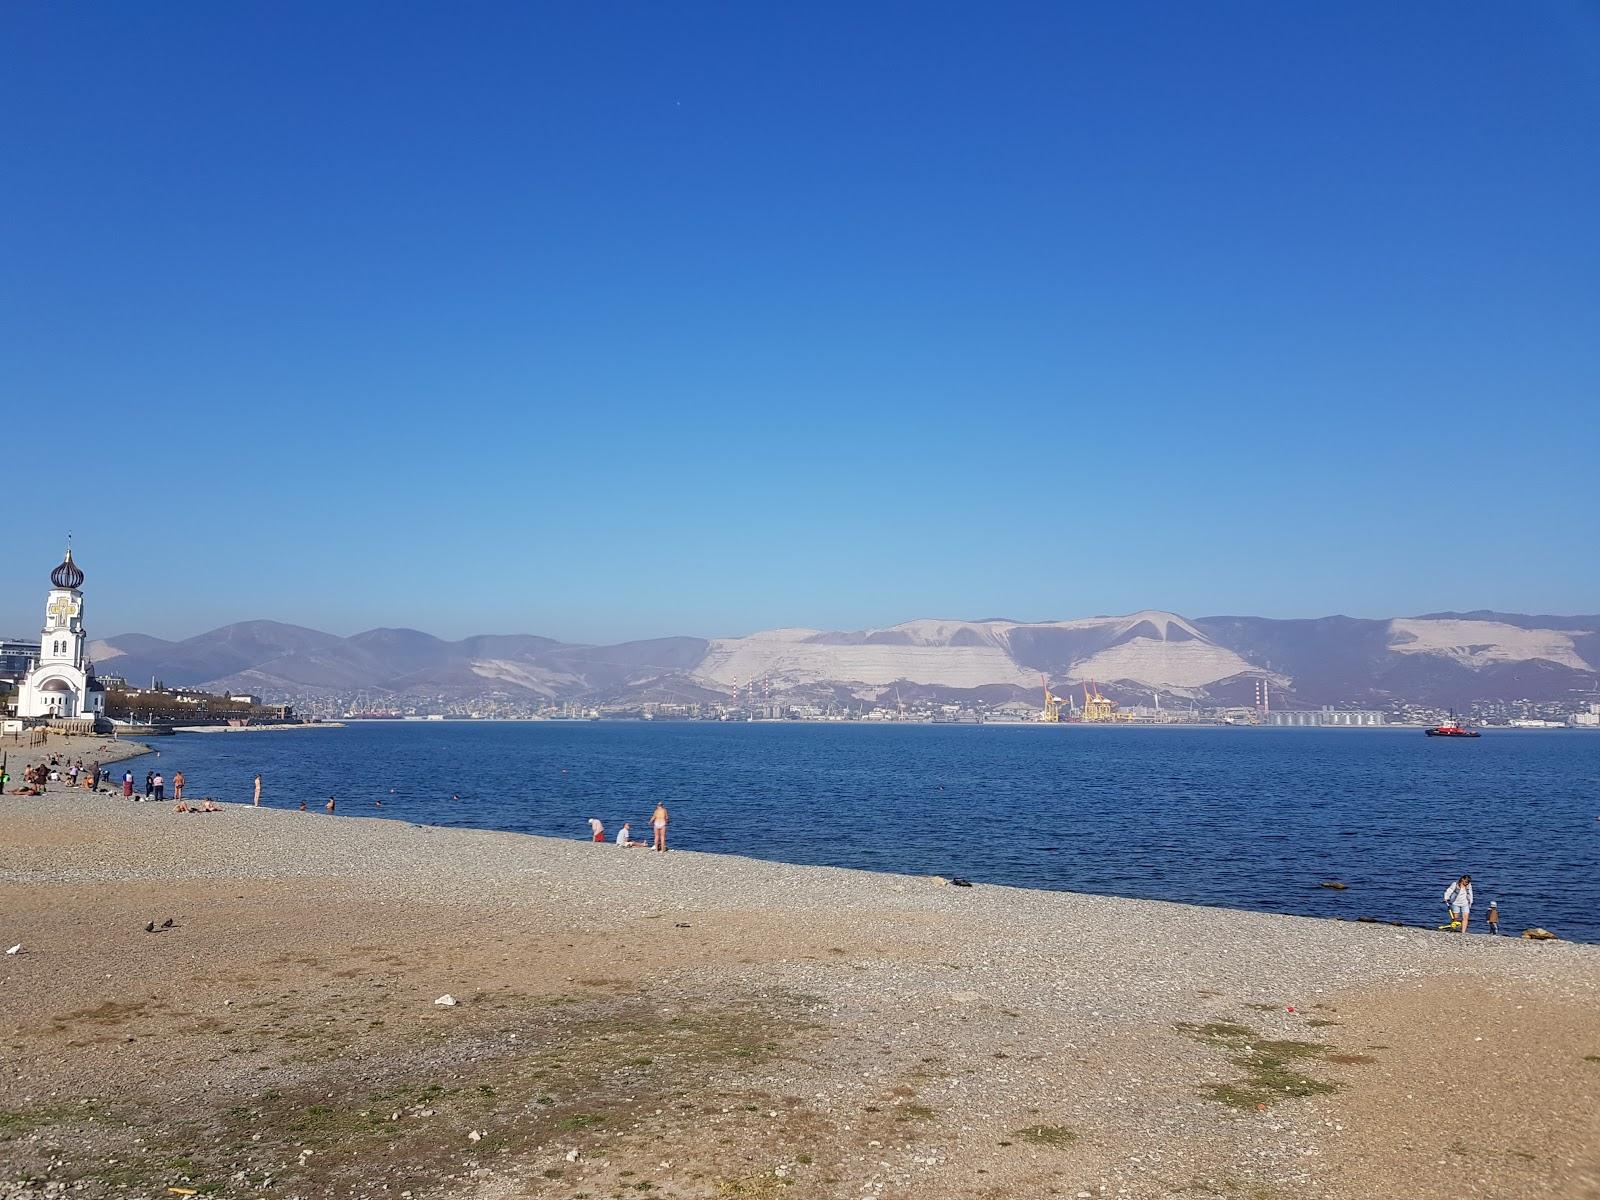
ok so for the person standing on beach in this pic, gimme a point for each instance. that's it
(658, 822)
(161, 786)
(1459, 897)
(127, 785)
(149, 784)
(257, 802)
(597, 829)
(1494, 917)
(177, 785)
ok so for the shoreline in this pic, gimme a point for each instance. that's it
(272, 728)
(715, 1024)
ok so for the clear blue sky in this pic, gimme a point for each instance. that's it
(614, 320)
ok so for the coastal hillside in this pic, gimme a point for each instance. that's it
(1442, 658)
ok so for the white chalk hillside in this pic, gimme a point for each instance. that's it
(1483, 643)
(1158, 649)
(789, 663)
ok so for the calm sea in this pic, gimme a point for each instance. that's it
(1242, 818)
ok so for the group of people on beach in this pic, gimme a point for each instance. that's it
(155, 786)
(658, 824)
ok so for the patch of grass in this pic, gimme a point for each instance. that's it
(914, 1112)
(1272, 1066)
(748, 1187)
(581, 1121)
(1591, 1058)
(1055, 1136)
(1214, 1031)
(40, 1118)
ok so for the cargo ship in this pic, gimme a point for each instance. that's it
(1451, 728)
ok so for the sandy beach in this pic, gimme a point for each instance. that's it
(691, 1025)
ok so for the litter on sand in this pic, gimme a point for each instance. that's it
(17, 949)
(446, 1001)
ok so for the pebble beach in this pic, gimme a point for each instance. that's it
(627, 1023)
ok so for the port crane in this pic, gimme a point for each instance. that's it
(1052, 702)
(1097, 707)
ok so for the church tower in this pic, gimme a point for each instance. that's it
(62, 640)
(61, 685)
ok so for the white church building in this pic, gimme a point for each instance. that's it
(62, 683)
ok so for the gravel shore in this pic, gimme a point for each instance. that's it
(717, 1026)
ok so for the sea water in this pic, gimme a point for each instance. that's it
(1240, 818)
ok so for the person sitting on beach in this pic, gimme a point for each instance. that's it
(181, 806)
(210, 805)
(597, 829)
(623, 840)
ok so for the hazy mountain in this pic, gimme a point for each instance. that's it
(1439, 658)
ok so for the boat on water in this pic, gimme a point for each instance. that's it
(1452, 728)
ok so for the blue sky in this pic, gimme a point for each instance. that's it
(616, 320)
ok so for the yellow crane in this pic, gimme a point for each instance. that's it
(1052, 703)
(1097, 707)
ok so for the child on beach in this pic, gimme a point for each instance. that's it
(1494, 917)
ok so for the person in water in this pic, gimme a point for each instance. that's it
(1459, 897)
(658, 822)
(329, 804)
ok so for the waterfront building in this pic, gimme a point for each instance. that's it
(1328, 717)
(17, 657)
(61, 682)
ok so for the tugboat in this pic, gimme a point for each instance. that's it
(1451, 728)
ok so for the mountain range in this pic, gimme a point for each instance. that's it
(1439, 658)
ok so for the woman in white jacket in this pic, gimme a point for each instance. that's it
(1459, 897)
